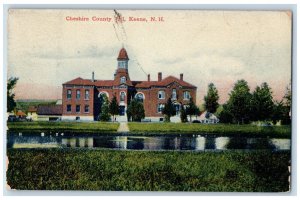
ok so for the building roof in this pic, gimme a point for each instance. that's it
(81, 81)
(49, 110)
(32, 109)
(164, 82)
(20, 113)
(123, 54)
(139, 84)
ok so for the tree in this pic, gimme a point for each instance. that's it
(183, 115)
(280, 113)
(11, 83)
(192, 109)
(104, 114)
(262, 104)
(239, 102)
(211, 99)
(136, 110)
(114, 107)
(225, 115)
(169, 110)
(288, 96)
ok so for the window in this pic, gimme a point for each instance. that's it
(77, 94)
(174, 94)
(186, 95)
(69, 108)
(86, 108)
(69, 94)
(161, 94)
(77, 108)
(123, 64)
(160, 107)
(122, 96)
(123, 79)
(139, 97)
(87, 94)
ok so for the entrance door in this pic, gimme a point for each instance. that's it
(121, 110)
(177, 108)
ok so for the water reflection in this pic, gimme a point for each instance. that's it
(200, 143)
(197, 143)
(221, 142)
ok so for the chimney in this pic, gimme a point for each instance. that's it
(181, 77)
(148, 77)
(93, 77)
(159, 76)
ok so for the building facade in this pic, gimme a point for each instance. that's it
(81, 98)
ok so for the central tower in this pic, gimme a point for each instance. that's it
(123, 59)
(121, 75)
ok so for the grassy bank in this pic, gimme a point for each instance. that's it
(85, 127)
(154, 128)
(221, 129)
(81, 169)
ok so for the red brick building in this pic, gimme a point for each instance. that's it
(81, 98)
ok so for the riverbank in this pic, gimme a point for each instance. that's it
(107, 170)
(151, 129)
(217, 129)
(82, 127)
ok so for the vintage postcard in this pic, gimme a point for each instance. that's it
(149, 100)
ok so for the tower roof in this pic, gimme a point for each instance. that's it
(123, 54)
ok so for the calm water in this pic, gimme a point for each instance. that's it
(196, 142)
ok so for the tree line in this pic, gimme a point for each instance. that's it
(244, 107)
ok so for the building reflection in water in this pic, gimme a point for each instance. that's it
(210, 143)
(150, 143)
(281, 144)
(120, 142)
(200, 143)
(154, 143)
(78, 142)
(221, 143)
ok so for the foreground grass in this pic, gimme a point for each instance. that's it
(63, 126)
(222, 129)
(82, 169)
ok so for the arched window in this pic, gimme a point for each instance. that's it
(161, 94)
(69, 94)
(186, 95)
(87, 95)
(122, 96)
(160, 107)
(77, 94)
(140, 97)
(174, 94)
(102, 94)
(123, 79)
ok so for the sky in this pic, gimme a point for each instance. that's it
(45, 49)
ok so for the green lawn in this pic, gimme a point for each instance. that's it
(85, 127)
(222, 129)
(82, 169)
